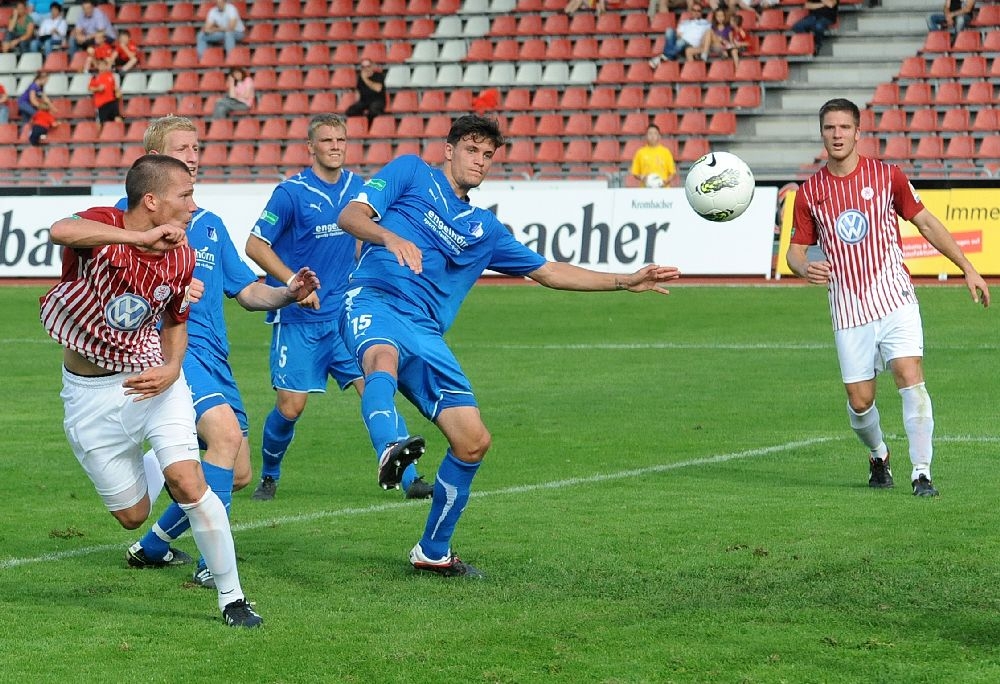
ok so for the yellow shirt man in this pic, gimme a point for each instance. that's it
(653, 161)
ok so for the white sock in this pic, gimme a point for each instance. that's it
(214, 537)
(868, 427)
(154, 476)
(918, 421)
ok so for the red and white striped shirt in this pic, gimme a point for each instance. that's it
(109, 299)
(854, 219)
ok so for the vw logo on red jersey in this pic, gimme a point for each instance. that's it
(852, 226)
(126, 312)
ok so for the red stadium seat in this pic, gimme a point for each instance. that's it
(929, 147)
(968, 41)
(924, 121)
(886, 95)
(574, 98)
(297, 103)
(241, 154)
(86, 132)
(219, 130)
(913, 68)
(937, 41)
(948, 93)
(717, 97)
(943, 66)
(578, 124)
(437, 127)
(629, 97)
(955, 120)
(634, 123)
(892, 121)
(549, 152)
(980, 93)
(693, 123)
(246, 128)
(549, 125)
(536, 50)
(960, 147)
(973, 67)
(688, 97)
(897, 148)
(660, 98)
(918, 94)
(986, 121)
(606, 151)
(990, 147)
(692, 149)
(275, 129)
(747, 97)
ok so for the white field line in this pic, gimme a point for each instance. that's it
(396, 505)
(519, 489)
(735, 346)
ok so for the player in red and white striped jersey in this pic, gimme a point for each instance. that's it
(851, 208)
(121, 272)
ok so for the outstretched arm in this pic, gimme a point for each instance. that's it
(563, 276)
(260, 297)
(264, 256)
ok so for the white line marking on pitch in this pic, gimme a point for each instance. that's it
(396, 505)
(734, 346)
(518, 489)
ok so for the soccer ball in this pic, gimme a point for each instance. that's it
(719, 186)
(654, 180)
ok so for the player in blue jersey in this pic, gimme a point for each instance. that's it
(425, 247)
(299, 225)
(221, 419)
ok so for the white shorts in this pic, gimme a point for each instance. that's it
(106, 429)
(865, 350)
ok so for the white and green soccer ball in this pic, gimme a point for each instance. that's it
(719, 186)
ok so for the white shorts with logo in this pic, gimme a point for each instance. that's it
(865, 350)
(106, 429)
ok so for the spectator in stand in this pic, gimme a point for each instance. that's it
(662, 6)
(653, 164)
(719, 40)
(598, 6)
(32, 99)
(102, 49)
(20, 30)
(126, 53)
(688, 37)
(106, 92)
(738, 36)
(223, 25)
(4, 105)
(956, 16)
(53, 31)
(372, 95)
(92, 22)
(822, 15)
(42, 121)
(240, 94)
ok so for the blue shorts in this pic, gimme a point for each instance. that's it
(429, 374)
(303, 355)
(211, 381)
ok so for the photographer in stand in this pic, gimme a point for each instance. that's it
(372, 95)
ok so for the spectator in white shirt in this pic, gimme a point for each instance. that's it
(88, 26)
(52, 32)
(688, 37)
(223, 25)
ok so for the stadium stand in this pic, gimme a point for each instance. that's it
(575, 91)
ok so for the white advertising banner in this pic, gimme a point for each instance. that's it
(616, 230)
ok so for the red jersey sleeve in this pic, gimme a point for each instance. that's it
(905, 199)
(803, 226)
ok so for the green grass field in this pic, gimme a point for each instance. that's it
(673, 495)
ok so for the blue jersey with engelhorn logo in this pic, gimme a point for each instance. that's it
(458, 241)
(219, 266)
(300, 224)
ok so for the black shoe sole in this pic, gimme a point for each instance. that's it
(400, 456)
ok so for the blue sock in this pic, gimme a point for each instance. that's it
(171, 524)
(451, 493)
(278, 433)
(378, 410)
(409, 475)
